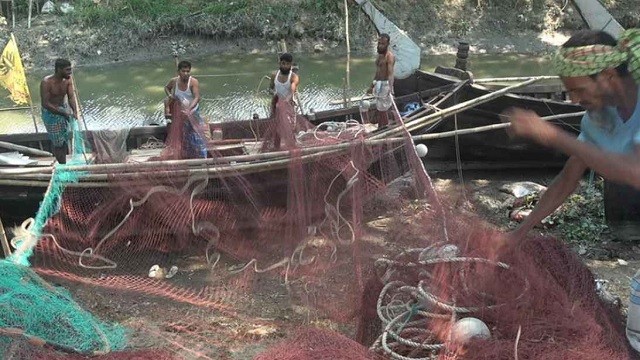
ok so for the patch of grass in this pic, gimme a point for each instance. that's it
(225, 7)
(581, 218)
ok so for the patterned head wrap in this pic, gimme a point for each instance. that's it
(592, 59)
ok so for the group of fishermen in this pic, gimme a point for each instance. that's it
(183, 94)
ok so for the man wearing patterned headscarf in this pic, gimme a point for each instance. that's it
(602, 75)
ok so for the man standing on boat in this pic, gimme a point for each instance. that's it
(382, 85)
(602, 75)
(284, 83)
(56, 113)
(183, 95)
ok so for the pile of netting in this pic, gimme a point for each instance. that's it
(32, 311)
(197, 233)
(205, 249)
(472, 298)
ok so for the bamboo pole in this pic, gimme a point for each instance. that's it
(232, 170)
(3, 240)
(29, 16)
(97, 168)
(21, 170)
(24, 149)
(76, 100)
(455, 90)
(15, 108)
(13, 14)
(509, 79)
(426, 120)
(348, 70)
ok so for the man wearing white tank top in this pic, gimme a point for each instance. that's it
(185, 90)
(284, 83)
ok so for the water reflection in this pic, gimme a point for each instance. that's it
(232, 87)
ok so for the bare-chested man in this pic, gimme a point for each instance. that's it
(56, 113)
(382, 85)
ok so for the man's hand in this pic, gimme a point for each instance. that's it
(68, 113)
(527, 124)
(370, 89)
(516, 235)
(511, 239)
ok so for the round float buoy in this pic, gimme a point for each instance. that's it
(469, 328)
(422, 150)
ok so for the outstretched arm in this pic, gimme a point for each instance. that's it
(620, 168)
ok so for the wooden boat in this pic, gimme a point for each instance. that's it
(495, 148)
(485, 150)
(420, 87)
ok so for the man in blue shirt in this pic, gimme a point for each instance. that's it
(602, 75)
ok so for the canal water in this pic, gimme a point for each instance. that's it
(232, 87)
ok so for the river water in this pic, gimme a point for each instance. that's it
(232, 87)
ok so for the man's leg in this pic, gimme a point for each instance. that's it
(382, 119)
(60, 153)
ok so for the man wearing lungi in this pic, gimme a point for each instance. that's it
(56, 113)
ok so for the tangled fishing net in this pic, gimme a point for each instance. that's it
(34, 311)
(222, 257)
(468, 299)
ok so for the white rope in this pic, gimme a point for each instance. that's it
(152, 143)
(405, 310)
(332, 213)
(333, 130)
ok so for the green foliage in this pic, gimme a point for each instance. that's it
(581, 218)
(222, 8)
(86, 12)
(322, 6)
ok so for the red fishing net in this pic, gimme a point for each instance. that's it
(222, 257)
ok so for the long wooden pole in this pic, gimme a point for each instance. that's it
(426, 120)
(29, 16)
(348, 70)
(269, 164)
(24, 149)
(76, 100)
(15, 108)
(13, 14)
(509, 79)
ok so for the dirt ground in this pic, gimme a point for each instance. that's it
(493, 30)
(244, 323)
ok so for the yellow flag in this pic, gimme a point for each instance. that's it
(12, 75)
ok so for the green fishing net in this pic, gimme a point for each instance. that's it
(32, 309)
